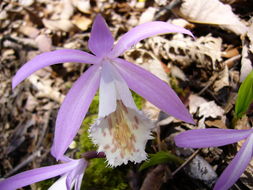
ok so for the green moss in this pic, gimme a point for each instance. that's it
(138, 100)
(175, 86)
(99, 176)
(44, 185)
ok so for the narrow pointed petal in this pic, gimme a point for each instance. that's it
(51, 58)
(73, 176)
(79, 182)
(153, 89)
(36, 175)
(112, 87)
(143, 31)
(237, 166)
(101, 40)
(74, 109)
(202, 138)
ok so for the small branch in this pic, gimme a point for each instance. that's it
(186, 162)
(24, 163)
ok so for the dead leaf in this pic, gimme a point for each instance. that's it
(247, 53)
(177, 72)
(82, 5)
(29, 31)
(205, 52)
(151, 111)
(68, 10)
(155, 178)
(216, 123)
(222, 81)
(55, 25)
(147, 15)
(44, 43)
(45, 89)
(200, 169)
(205, 110)
(82, 22)
(181, 22)
(230, 52)
(26, 3)
(211, 12)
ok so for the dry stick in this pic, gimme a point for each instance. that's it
(237, 187)
(44, 128)
(211, 81)
(186, 162)
(22, 164)
(158, 131)
(167, 8)
(229, 61)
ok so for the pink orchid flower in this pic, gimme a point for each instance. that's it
(121, 131)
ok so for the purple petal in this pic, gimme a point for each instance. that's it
(78, 183)
(74, 109)
(202, 138)
(35, 175)
(143, 31)
(73, 176)
(51, 58)
(237, 166)
(101, 40)
(153, 89)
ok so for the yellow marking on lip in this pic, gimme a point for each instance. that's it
(121, 128)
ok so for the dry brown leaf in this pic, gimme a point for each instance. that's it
(45, 89)
(222, 81)
(211, 12)
(147, 15)
(247, 54)
(82, 5)
(177, 72)
(55, 25)
(44, 42)
(151, 111)
(216, 123)
(205, 51)
(181, 22)
(194, 102)
(82, 22)
(204, 109)
(230, 52)
(29, 31)
(68, 10)
(26, 3)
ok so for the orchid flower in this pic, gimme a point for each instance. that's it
(121, 131)
(202, 138)
(71, 173)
